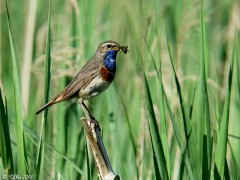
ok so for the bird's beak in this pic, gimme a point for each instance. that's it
(116, 48)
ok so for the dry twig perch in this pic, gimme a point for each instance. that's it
(90, 124)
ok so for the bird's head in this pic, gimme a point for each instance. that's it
(108, 47)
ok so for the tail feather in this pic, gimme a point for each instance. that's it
(45, 107)
(55, 100)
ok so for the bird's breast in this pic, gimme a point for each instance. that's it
(106, 75)
(94, 88)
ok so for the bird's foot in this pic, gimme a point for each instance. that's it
(94, 124)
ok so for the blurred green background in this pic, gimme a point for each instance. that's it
(153, 30)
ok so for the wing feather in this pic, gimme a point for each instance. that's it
(89, 71)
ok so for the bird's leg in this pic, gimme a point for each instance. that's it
(93, 121)
(85, 109)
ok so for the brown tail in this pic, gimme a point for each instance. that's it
(55, 100)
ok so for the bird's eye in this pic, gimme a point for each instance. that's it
(108, 45)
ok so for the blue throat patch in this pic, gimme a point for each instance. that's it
(110, 60)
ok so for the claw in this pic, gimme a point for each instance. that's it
(94, 124)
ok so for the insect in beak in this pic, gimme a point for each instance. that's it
(124, 49)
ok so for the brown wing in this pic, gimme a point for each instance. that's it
(88, 72)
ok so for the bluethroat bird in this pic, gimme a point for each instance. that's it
(94, 77)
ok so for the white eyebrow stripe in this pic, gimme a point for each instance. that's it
(113, 44)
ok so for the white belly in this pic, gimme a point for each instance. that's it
(95, 87)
